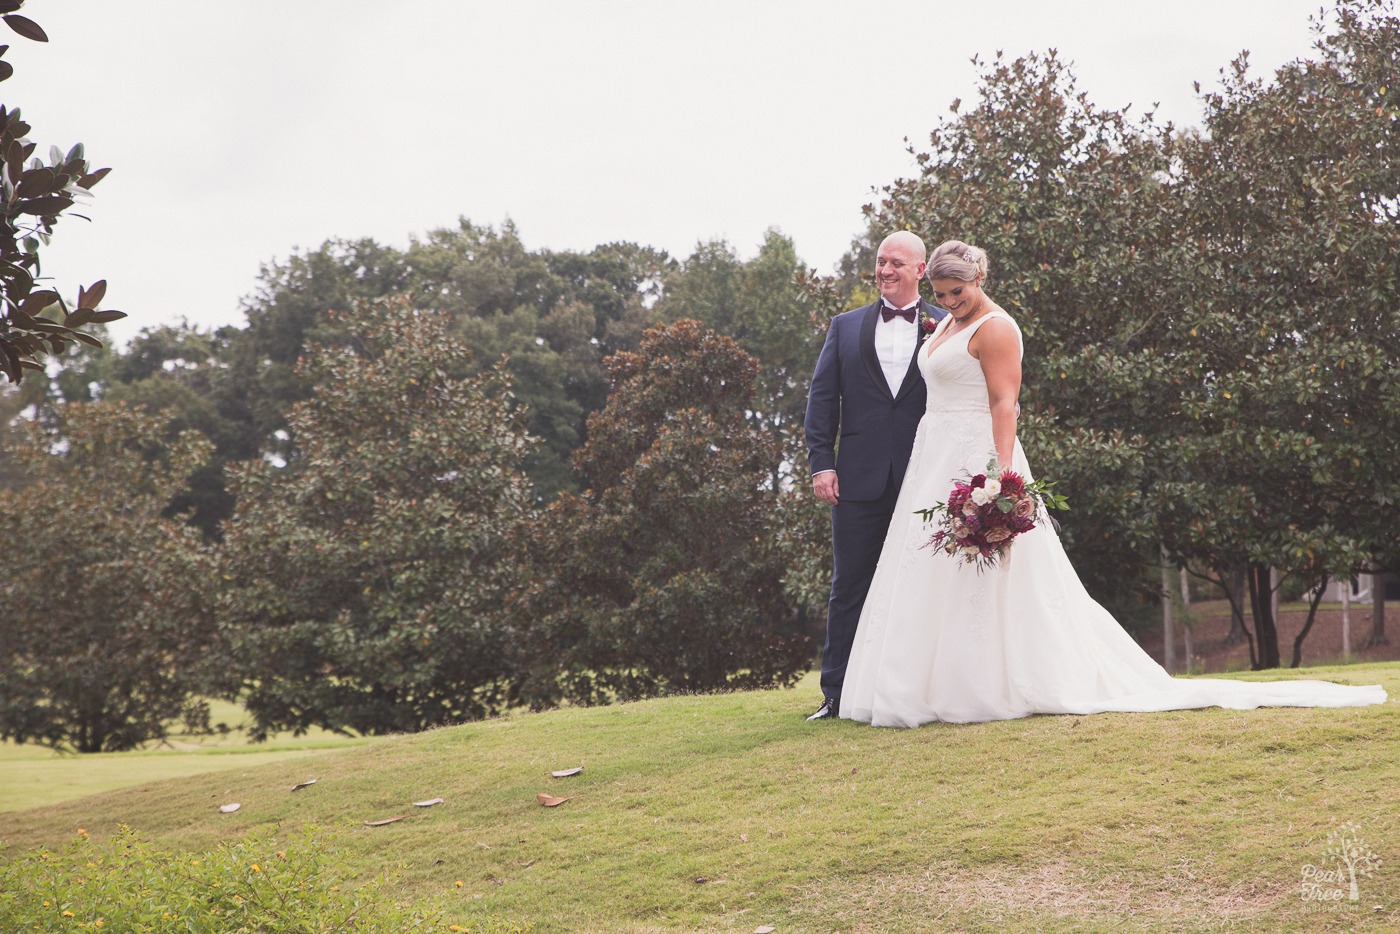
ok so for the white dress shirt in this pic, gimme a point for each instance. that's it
(895, 342)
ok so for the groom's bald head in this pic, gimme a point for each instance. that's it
(899, 265)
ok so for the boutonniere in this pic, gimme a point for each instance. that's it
(927, 324)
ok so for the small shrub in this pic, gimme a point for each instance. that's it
(251, 886)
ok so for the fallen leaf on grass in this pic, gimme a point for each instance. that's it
(550, 801)
(744, 837)
(387, 820)
(300, 785)
(229, 808)
(567, 773)
(766, 929)
(701, 880)
(427, 804)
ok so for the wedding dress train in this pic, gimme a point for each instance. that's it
(938, 640)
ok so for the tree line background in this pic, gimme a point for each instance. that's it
(424, 485)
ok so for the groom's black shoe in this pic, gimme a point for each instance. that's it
(829, 710)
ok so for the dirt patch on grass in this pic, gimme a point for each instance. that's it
(1022, 897)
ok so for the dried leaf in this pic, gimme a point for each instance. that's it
(567, 773)
(765, 929)
(701, 880)
(427, 804)
(744, 837)
(387, 820)
(229, 808)
(300, 785)
(549, 801)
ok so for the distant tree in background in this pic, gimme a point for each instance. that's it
(34, 194)
(103, 616)
(659, 578)
(363, 579)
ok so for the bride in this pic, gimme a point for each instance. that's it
(938, 640)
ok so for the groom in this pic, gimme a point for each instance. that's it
(867, 391)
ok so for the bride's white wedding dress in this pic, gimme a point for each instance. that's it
(939, 641)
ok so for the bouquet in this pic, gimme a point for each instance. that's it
(984, 514)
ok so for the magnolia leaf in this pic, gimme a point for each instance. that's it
(427, 804)
(92, 178)
(550, 801)
(91, 296)
(300, 785)
(567, 773)
(26, 27)
(78, 317)
(387, 820)
(229, 808)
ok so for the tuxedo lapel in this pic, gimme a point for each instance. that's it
(867, 348)
(912, 375)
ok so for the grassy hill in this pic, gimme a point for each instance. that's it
(727, 813)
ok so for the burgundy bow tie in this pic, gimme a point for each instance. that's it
(886, 313)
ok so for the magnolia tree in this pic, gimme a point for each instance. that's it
(34, 194)
(363, 578)
(103, 612)
(660, 577)
(1286, 422)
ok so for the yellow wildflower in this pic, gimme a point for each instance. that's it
(458, 883)
(67, 913)
(257, 868)
(82, 833)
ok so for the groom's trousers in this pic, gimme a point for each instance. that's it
(857, 535)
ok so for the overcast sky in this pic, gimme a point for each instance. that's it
(241, 132)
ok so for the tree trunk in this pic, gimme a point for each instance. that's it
(1261, 601)
(1237, 633)
(1346, 621)
(1377, 636)
(1312, 615)
(1168, 629)
(1190, 643)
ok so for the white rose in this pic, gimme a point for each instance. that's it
(984, 495)
(992, 487)
(970, 551)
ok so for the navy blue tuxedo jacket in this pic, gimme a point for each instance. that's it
(850, 399)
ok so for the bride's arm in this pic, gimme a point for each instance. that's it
(1000, 354)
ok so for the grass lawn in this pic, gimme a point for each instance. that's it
(31, 776)
(726, 813)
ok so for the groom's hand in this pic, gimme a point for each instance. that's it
(827, 488)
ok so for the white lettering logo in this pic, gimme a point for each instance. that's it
(1345, 858)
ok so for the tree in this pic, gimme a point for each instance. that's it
(102, 610)
(758, 303)
(659, 578)
(554, 314)
(364, 577)
(1281, 450)
(33, 195)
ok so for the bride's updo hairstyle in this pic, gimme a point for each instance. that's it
(953, 259)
